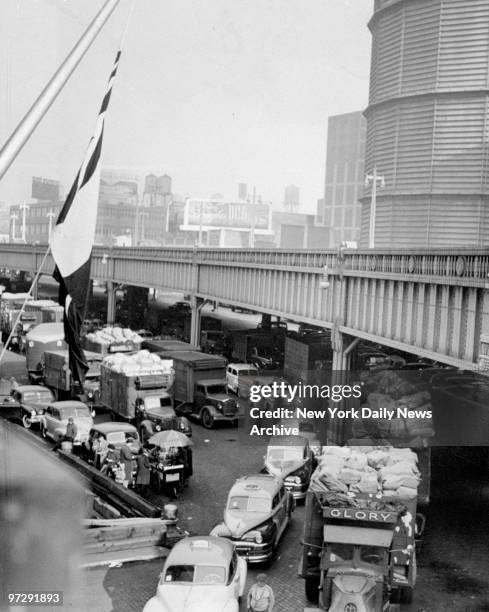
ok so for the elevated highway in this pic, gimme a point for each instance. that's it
(433, 303)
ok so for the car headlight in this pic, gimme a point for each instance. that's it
(160, 466)
(182, 426)
(220, 405)
(258, 538)
(90, 394)
(158, 427)
(33, 413)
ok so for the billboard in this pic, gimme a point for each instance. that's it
(45, 189)
(218, 214)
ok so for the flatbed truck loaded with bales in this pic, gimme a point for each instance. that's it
(138, 388)
(361, 527)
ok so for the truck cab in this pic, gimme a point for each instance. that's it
(212, 402)
(355, 569)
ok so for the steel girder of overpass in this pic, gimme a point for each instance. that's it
(433, 303)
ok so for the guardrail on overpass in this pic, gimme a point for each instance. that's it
(433, 303)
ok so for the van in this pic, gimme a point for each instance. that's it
(235, 370)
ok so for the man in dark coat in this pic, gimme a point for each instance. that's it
(143, 473)
(126, 459)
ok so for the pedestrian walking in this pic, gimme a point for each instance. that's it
(143, 472)
(126, 459)
(260, 596)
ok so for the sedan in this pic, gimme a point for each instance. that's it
(201, 574)
(55, 420)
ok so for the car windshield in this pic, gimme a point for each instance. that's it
(247, 372)
(372, 554)
(341, 552)
(38, 396)
(284, 456)
(196, 574)
(151, 403)
(245, 503)
(213, 389)
(121, 437)
(74, 411)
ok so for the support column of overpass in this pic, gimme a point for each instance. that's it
(196, 305)
(111, 302)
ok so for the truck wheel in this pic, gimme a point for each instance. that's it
(26, 421)
(207, 419)
(312, 589)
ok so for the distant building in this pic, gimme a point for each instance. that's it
(291, 198)
(298, 231)
(157, 190)
(242, 191)
(345, 164)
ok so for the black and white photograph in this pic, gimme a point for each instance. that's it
(244, 305)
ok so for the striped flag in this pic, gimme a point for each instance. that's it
(72, 240)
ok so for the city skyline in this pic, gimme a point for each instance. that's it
(229, 93)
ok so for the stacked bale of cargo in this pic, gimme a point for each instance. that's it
(382, 471)
(112, 340)
(401, 393)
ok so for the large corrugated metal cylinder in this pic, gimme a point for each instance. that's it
(428, 128)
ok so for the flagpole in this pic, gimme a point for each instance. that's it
(34, 115)
(21, 311)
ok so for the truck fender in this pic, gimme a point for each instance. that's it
(211, 409)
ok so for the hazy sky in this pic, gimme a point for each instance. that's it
(211, 92)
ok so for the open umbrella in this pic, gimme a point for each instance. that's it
(170, 438)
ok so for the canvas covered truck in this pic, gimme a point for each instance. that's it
(138, 388)
(201, 389)
(57, 376)
(361, 525)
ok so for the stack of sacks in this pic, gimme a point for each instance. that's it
(114, 335)
(368, 470)
(400, 476)
(138, 363)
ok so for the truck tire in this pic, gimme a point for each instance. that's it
(312, 589)
(207, 419)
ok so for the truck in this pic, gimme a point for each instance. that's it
(10, 306)
(138, 388)
(57, 376)
(306, 353)
(259, 347)
(42, 338)
(359, 549)
(200, 388)
(161, 347)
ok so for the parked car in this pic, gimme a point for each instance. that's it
(257, 512)
(32, 401)
(291, 458)
(55, 420)
(116, 434)
(235, 372)
(201, 574)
